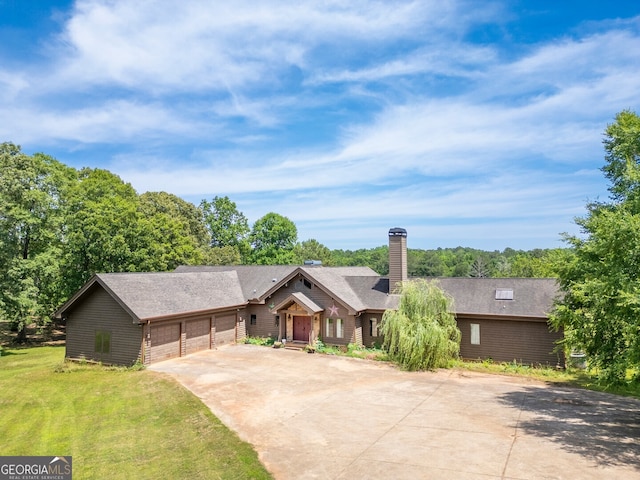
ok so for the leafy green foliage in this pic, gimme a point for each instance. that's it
(227, 226)
(600, 309)
(376, 258)
(273, 238)
(262, 341)
(31, 224)
(422, 333)
(461, 261)
(185, 213)
(104, 232)
(312, 250)
(174, 230)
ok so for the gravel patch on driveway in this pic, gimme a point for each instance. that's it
(318, 416)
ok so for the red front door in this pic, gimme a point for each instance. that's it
(301, 328)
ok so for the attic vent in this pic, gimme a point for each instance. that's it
(504, 294)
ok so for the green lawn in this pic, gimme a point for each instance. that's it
(571, 376)
(116, 423)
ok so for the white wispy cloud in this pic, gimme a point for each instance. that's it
(353, 113)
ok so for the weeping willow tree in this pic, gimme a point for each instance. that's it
(422, 333)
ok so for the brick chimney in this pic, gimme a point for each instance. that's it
(397, 257)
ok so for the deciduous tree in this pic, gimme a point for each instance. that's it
(227, 226)
(31, 233)
(600, 309)
(273, 238)
(422, 333)
(313, 250)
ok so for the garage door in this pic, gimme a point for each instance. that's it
(165, 342)
(198, 335)
(225, 330)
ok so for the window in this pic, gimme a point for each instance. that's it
(253, 319)
(277, 320)
(306, 282)
(475, 334)
(373, 327)
(328, 327)
(102, 341)
(339, 328)
(504, 294)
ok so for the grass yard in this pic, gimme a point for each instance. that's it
(115, 422)
(571, 376)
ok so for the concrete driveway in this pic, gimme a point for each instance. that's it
(318, 416)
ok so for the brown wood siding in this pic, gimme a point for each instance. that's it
(367, 339)
(198, 335)
(357, 333)
(397, 261)
(241, 331)
(98, 311)
(165, 341)
(526, 342)
(265, 319)
(225, 328)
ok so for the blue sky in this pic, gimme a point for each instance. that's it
(472, 123)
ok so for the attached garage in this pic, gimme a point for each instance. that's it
(164, 342)
(198, 335)
(225, 328)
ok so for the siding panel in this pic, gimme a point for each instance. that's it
(98, 311)
(526, 342)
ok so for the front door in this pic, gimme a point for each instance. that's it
(301, 328)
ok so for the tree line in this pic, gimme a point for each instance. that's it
(60, 225)
(460, 261)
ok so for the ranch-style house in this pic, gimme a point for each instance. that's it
(123, 318)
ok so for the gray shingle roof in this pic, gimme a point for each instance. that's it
(255, 280)
(201, 288)
(258, 280)
(150, 295)
(334, 280)
(373, 292)
(301, 299)
(532, 297)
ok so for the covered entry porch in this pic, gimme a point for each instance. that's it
(300, 319)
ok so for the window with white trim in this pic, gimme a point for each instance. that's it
(328, 327)
(339, 328)
(475, 334)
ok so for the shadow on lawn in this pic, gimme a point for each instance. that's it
(6, 353)
(599, 426)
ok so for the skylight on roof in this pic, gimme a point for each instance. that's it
(504, 294)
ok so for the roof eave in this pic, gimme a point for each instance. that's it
(497, 316)
(193, 313)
